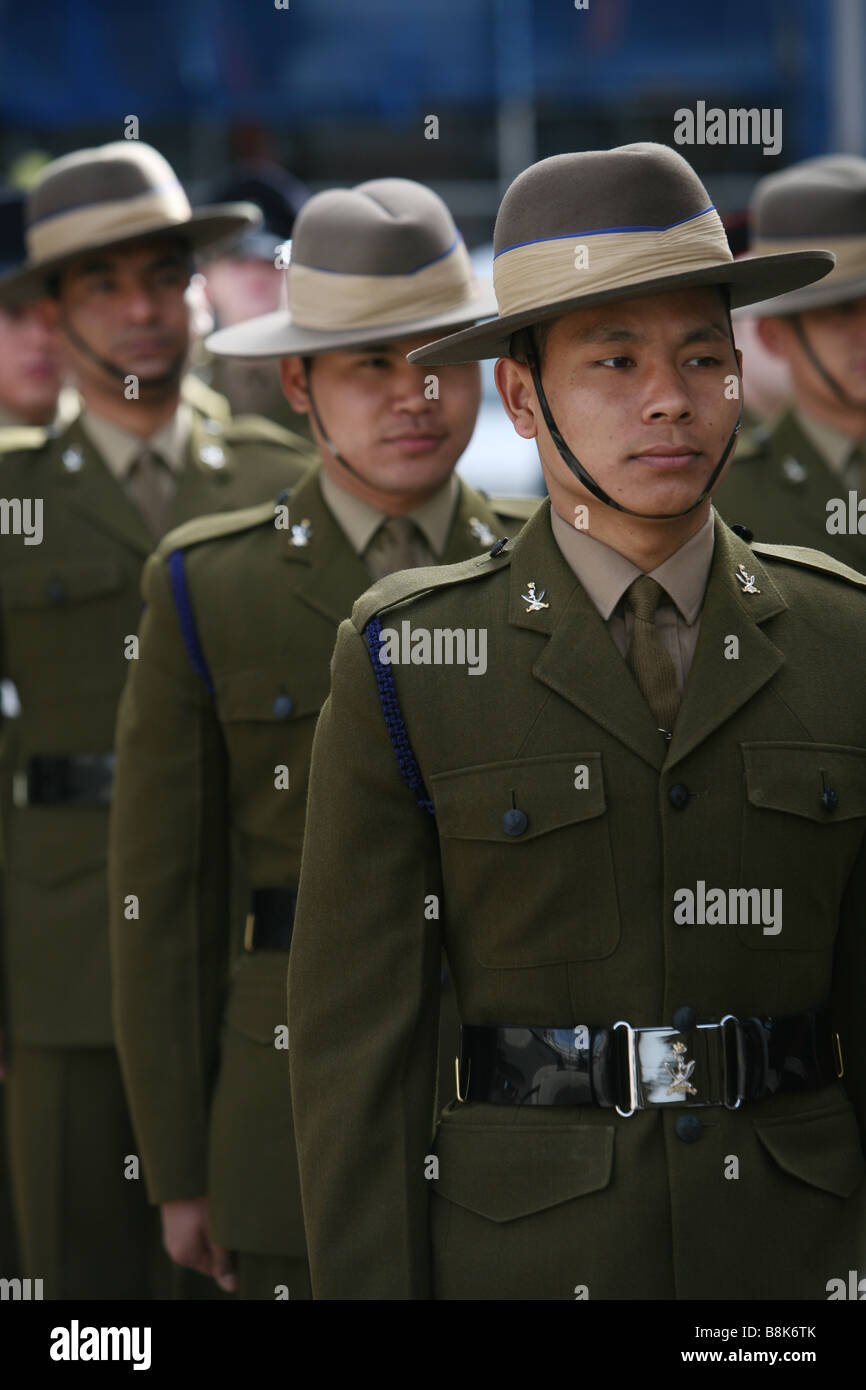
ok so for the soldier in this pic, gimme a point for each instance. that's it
(246, 281)
(803, 482)
(217, 719)
(110, 237)
(649, 1098)
(30, 357)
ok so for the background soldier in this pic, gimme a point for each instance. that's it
(793, 483)
(217, 719)
(110, 235)
(613, 759)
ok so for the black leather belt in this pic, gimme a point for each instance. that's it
(720, 1063)
(270, 923)
(81, 780)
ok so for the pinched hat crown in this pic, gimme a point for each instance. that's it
(593, 227)
(818, 202)
(371, 263)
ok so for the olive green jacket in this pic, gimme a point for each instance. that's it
(572, 922)
(68, 607)
(203, 1056)
(779, 486)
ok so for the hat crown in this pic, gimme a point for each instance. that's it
(822, 197)
(382, 227)
(124, 169)
(636, 186)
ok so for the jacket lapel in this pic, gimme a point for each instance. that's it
(579, 661)
(90, 490)
(332, 575)
(211, 479)
(719, 685)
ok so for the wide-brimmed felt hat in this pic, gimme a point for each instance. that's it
(592, 228)
(93, 199)
(277, 194)
(818, 202)
(380, 261)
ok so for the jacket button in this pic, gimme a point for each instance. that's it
(688, 1128)
(679, 796)
(283, 706)
(514, 822)
(55, 589)
(685, 1019)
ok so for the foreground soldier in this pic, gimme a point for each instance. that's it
(110, 237)
(804, 481)
(217, 719)
(615, 765)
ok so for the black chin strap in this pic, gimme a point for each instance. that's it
(321, 428)
(168, 378)
(836, 387)
(589, 482)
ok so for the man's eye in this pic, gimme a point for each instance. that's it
(101, 284)
(706, 361)
(375, 362)
(615, 362)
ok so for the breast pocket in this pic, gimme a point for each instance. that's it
(527, 860)
(803, 825)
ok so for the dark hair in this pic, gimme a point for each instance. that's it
(533, 338)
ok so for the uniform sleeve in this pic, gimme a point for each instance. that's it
(364, 980)
(168, 886)
(849, 988)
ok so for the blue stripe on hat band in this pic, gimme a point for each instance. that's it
(603, 231)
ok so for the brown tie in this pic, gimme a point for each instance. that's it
(150, 485)
(651, 664)
(397, 545)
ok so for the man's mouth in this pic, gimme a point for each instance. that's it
(414, 442)
(667, 456)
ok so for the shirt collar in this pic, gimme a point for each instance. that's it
(120, 447)
(360, 520)
(605, 574)
(833, 446)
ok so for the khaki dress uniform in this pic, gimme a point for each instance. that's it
(214, 734)
(70, 608)
(564, 918)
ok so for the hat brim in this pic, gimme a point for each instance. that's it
(820, 296)
(276, 335)
(207, 227)
(747, 281)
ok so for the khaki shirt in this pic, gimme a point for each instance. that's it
(359, 520)
(606, 575)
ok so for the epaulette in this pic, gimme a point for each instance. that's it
(521, 508)
(256, 429)
(215, 525)
(810, 559)
(409, 584)
(15, 437)
(205, 399)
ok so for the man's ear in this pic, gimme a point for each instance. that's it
(774, 334)
(514, 384)
(294, 383)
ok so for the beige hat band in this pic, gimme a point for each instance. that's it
(326, 300)
(64, 232)
(563, 268)
(850, 253)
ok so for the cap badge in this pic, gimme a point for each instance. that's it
(482, 532)
(534, 600)
(747, 580)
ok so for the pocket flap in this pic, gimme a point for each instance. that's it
(788, 777)
(509, 1171)
(471, 802)
(821, 1148)
(268, 694)
(51, 586)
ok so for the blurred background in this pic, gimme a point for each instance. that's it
(337, 91)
